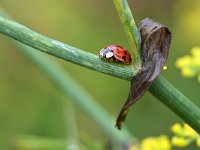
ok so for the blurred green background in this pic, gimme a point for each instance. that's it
(31, 105)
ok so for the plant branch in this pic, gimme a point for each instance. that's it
(88, 60)
(63, 51)
(176, 101)
(68, 86)
(130, 29)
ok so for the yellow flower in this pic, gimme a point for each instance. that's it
(195, 51)
(156, 143)
(198, 141)
(164, 142)
(190, 64)
(183, 61)
(149, 144)
(164, 67)
(187, 72)
(188, 131)
(196, 62)
(179, 141)
(177, 129)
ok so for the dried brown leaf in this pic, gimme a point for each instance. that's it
(156, 39)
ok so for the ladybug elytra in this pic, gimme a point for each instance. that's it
(115, 53)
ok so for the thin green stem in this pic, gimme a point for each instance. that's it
(36, 142)
(130, 29)
(66, 84)
(70, 121)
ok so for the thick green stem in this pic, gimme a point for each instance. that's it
(91, 61)
(130, 29)
(176, 101)
(63, 51)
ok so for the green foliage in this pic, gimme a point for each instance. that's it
(160, 88)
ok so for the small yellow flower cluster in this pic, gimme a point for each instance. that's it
(190, 64)
(184, 135)
(156, 143)
(153, 143)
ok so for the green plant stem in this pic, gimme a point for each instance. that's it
(63, 51)
(176, 101)
(91, 61)
(161, 89)
(130, 28)
(36, 142)
(70, 121)
(77, 94)
(66, 84)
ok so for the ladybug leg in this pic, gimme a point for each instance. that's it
(111, 59)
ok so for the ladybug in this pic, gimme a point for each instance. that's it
(115, 53)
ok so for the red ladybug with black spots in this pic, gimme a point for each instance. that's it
(115, 53)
